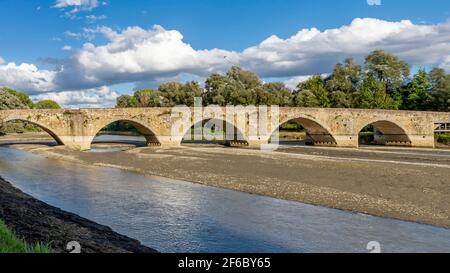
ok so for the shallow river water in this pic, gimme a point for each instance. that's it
(176, 216)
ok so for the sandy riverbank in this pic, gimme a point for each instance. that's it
(405, 186)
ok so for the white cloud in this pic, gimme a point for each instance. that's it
(137, 55)
(446, 64)
(2, 61)
(94, 18)
(67, 48)
(27, 77)
(90, 98)
(311, 51)
(78, 5)
(374, 2)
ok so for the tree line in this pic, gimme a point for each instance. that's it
(383, 82)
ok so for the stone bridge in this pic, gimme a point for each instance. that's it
(335, 127)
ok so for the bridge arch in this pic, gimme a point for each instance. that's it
(144, 130)
(44, 127)
(392, 133)
(191, 135)
(317, 132)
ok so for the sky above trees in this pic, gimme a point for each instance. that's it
(85, 53)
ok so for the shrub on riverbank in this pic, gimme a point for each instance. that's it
(9, 243)
(443, 138)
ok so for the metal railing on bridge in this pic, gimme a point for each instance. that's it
(442, 128)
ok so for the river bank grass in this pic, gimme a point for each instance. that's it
(10, 243)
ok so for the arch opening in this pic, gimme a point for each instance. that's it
(206, 132)
(23, 131)
(303, 131)
(383, 132)
(123, 135)
(442, 135)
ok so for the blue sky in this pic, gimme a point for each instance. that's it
(34, 33)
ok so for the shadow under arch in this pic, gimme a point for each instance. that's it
(315, 133)
(129, 130)
(383, 132)
(197, 134)
(41, 126)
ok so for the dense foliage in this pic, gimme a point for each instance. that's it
(384, 82)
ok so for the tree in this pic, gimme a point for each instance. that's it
(440, 89)
(416, 94)
(126, 101)
(275, 93)
(47, 104)
(317, 94)
(143, 97)
(10, 101)
(180, 94)
(238, 87)
(372, 95)
(342, 84)
(215, 89)
(24, 98)
(306, 98)
(387, 68)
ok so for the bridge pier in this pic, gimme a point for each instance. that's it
(82, 143)
(422, 141)
(347, 141)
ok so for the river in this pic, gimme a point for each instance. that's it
(177, 216)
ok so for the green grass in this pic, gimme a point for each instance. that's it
(9, 243)
(443, 138)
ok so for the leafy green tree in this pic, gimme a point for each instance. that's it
(180, 94)
(143, 97)
(387, 68)
(416, 94)
(275, 93)
(238, 87)
(340, 99)
(47, 104)
(440, 89)
(343, 82)
(215, 89)
(306, 98)
(317, 95)
(10, 101)
(247, 79)
(126, 101)
(372, 95)
(24, 98)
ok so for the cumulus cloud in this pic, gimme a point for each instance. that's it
(26, 77)
(137, 55)
(446, 64)
(312, 51)
(2, 61)
(90, 98)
